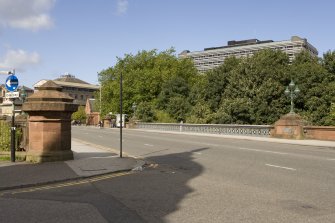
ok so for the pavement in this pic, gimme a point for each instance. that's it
(93, 160)
(89, 160)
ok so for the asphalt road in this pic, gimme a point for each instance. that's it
(193, 179)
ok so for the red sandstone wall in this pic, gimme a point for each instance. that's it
(319, 132)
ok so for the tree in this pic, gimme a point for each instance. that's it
(240, 91)
(317, 89)
(328, 63)
(257, 83)
(174, 87)
(200, 113)
(79, 115)
(178, 108)
(145, 112)
(144, 76)
(217, 81)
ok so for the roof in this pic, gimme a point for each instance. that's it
(69, 81)
(252, 43)
(70, 78)
(78, 85)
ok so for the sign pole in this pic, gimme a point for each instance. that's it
(12, 136)
(12, 84)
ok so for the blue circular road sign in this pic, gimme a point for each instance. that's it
(12, 83)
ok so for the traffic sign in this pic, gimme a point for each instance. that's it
(12, 95)
(12, 83)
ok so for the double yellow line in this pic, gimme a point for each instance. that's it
(67, 184)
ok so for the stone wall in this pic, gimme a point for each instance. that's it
(319, 132)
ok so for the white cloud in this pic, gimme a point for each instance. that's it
(19, 60)
(122, 6)
(26, 14)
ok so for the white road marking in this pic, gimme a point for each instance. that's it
(282, 167)
(264, 151)
(198, 153)
(331, 159)
(149, 145)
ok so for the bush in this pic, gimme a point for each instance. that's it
(4, 136)
(164, 117)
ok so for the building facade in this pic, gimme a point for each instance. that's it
(213, 57)
(76, 88)
(92, 113)
(7, 105)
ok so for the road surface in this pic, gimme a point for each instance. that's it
(196, 179)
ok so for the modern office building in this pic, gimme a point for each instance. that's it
(212, 57)
(76, 88)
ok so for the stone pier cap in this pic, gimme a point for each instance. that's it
(49, 97)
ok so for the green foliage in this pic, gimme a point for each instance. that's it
(145, 112)
(173, 87)
(79, 115)
(317, 89)
(240, 91)
(163, 117)
(144, 76)
(248, 90)
(221, 117)
(178, 108)
(238, 110)
(332, 112)
(4, 136)
(212, 86)
(200, 113)
(328, 63)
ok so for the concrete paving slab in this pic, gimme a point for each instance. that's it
(102, 165)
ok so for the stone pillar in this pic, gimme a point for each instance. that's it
(289, 126)
(22, 124)
(49, 124)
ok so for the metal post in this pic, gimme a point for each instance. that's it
(12, 136)
(292, 103)
(100, 103)
(121, 115)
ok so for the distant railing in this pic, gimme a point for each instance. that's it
(245, 130)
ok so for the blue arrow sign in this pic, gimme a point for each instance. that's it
(12, 83)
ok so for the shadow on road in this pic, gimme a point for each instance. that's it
(158, 190)
(144, 196)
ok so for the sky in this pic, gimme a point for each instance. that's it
(43, 39)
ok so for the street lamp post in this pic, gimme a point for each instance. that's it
(134, 109)
(292, 91)
(120, 114)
